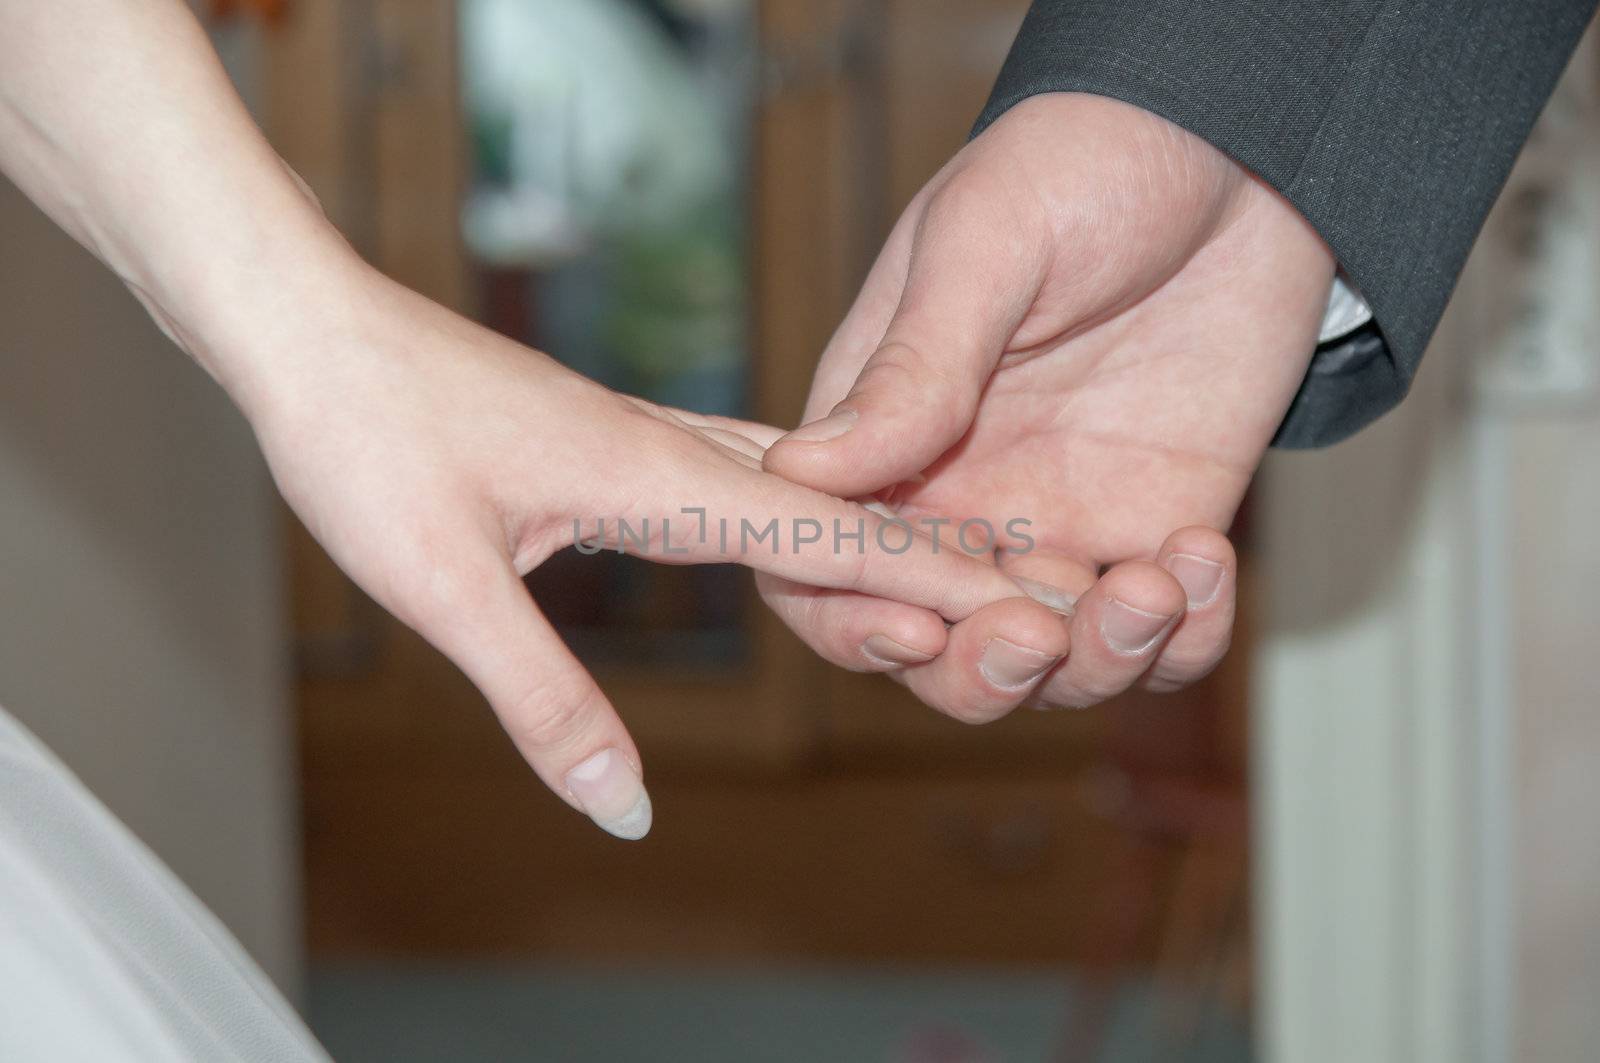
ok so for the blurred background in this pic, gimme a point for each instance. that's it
(1365, 837)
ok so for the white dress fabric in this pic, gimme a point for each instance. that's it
(104, 954)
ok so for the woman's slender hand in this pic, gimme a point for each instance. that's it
(435, 461)
(438, 463)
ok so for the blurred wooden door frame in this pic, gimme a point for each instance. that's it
(362, 99)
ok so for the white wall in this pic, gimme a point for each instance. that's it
(1555, 543)
(142, 626)
(1428, 744)
(1366, 733)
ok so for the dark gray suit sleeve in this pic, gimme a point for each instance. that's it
(1390, 124)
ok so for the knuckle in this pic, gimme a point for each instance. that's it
(835, 625)
(1073, 699)
(895, 372)
(955, 202)
(903, 380)
(1087, 691)
(809, 621)
(1104, 689)
(858, 568)
(550, 716)
(792, 607)
(832, 632)
(1177, 668)
(1158, 684)
(433, 596)
(904, 368)
(1060, 692)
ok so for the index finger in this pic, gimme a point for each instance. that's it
(797, 533)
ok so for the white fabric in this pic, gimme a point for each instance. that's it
(104, 954)
(1347, 310)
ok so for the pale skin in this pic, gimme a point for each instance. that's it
(1091, 318)
(436, 461)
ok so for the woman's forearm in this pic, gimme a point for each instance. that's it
(117, 119)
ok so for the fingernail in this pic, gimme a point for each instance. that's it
(885, 650)
(881, 509)
(1053, 598)
(1007, 665)
(609, 790)
(1129, 630)
(830, 427)
(1200, 578)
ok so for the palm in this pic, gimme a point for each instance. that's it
(1090, 488)
(1111, 438)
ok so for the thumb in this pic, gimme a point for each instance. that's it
(973, 274)
(482, 617)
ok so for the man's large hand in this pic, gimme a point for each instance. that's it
(1092, 320)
